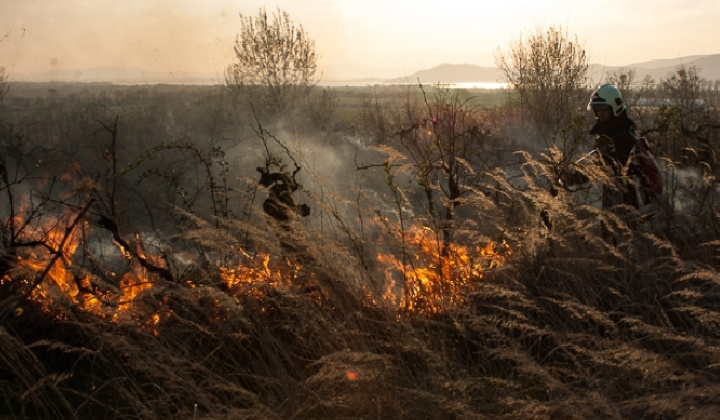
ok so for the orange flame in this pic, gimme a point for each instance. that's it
(258, 270)
(436, 274)
(64, 286)
(431, 276)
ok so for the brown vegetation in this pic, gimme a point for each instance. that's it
(141, 277)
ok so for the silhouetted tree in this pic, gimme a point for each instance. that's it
(3, 79)
(3, 84)
(548, 70)
(684, 88)
(275, 62)
(623, 79)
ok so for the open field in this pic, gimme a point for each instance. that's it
(146, 272)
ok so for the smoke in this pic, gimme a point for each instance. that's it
(341, 177)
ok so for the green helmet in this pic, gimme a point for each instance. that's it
(607, 95)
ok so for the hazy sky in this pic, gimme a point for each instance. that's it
(400, 35)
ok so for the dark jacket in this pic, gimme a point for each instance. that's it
(615, 141)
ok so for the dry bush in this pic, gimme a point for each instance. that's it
(264, 320)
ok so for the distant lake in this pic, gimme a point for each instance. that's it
(465, 85)
(478, 85)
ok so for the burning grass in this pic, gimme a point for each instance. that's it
(570, 331)
(264, 320)
(435, 275)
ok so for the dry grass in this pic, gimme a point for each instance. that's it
(577, 328)
(569, 325)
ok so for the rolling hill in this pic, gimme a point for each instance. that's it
(709, 66)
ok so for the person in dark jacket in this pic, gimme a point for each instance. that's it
(615, 138)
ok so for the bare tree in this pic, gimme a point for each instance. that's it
(684, 88)
(275, 62)
(444, 136)
(623, 79)
(686, 111)
(548, 70)
(4, 87)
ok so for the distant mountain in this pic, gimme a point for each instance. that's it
(665, 62)
(709, 66)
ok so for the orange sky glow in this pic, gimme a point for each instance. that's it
(353, 39)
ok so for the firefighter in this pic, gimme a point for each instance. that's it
(615, 138)
(280, 204)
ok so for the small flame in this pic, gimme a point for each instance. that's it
(258, 270)
(437, 274)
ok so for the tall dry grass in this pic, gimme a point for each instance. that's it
(579, 321)
(572, 326)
